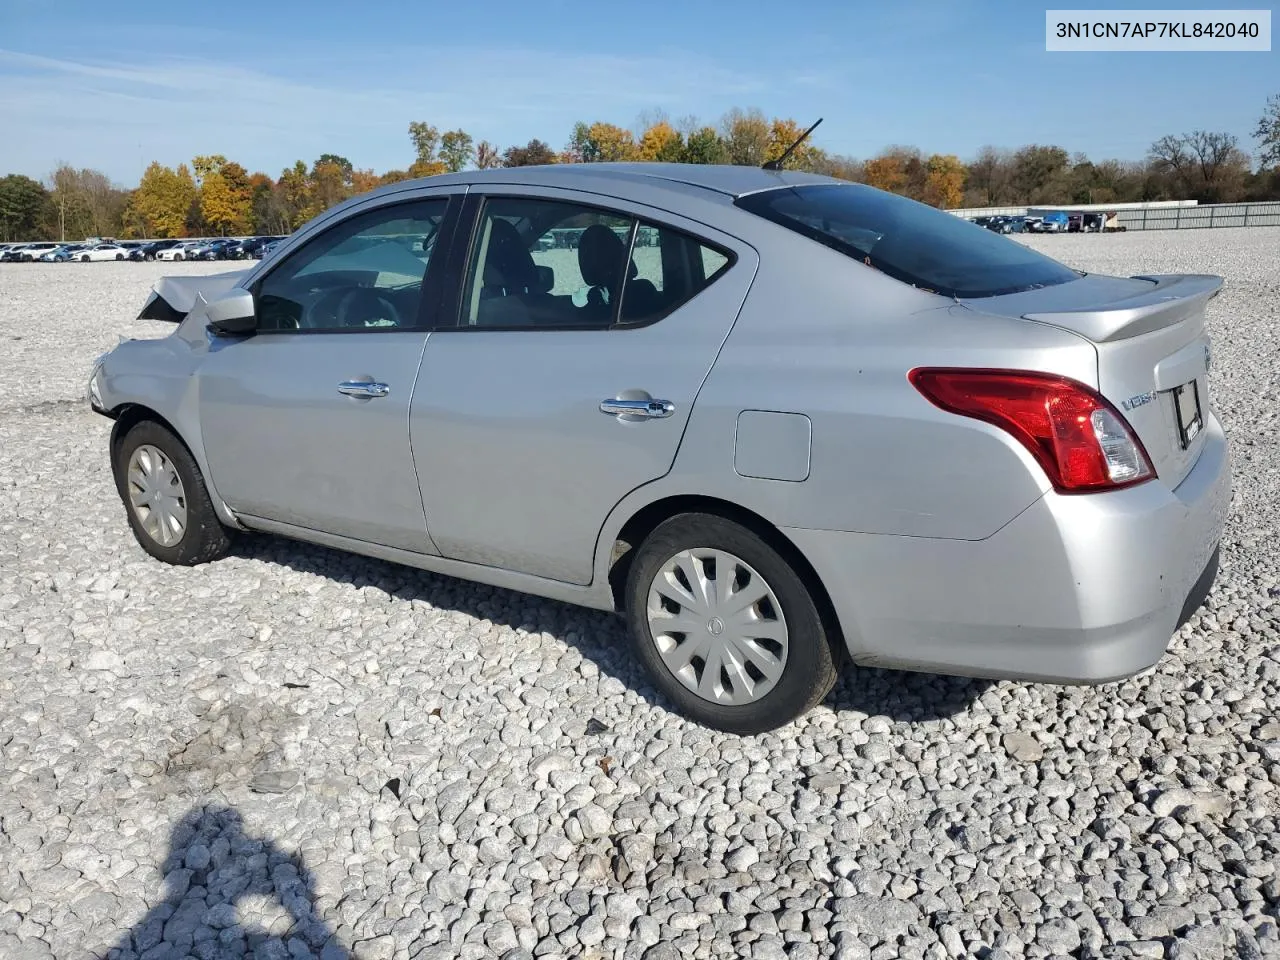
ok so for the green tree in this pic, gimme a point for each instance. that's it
(456, 150)
(1039, 174)
(704, 145)
(23, 203)
(533, 153)
(338, 161)
(426, 140)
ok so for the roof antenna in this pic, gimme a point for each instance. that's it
(777, 164)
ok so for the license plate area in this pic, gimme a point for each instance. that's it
(1186, 407)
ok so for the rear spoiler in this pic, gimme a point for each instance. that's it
(172, 298)
(1171, 299)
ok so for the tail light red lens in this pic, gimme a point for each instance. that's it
(1081, 440)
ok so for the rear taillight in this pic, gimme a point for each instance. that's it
(1081, 440)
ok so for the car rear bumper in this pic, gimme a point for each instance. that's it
(1077, 589)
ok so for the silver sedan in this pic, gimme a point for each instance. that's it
(775, 420)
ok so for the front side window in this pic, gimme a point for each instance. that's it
(911, 242)
(553, 264)
(365, 273)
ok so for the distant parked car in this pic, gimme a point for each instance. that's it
(34, 251)
(265, 249)
(1032, 486)
(1056, 222)
(12, 253)
(61, 254)
(101, 251)
(219, 249)
(148, 251)
(179, 251)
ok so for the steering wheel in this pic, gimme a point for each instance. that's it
(364, 307)
(353, 307)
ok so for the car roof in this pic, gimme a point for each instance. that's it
(732, 181)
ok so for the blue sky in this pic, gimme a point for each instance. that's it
(115, 85)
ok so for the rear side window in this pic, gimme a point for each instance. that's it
(911, 242)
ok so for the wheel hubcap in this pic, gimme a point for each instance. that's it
(718, 626)
(156, 495)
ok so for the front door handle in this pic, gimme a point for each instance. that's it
(645, 409)
(365, 389)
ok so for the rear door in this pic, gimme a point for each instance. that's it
(583, 334)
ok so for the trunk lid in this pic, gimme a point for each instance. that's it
(1153, 352)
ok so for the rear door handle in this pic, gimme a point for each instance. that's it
(646, 409)
(366, 389)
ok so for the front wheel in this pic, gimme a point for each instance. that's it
(164, 495)
(726, 627)
(177, 256)
(85, 258)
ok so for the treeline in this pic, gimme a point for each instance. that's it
(216, 196)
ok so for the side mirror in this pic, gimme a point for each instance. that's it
(233, 314)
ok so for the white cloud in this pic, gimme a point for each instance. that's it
(118, 116)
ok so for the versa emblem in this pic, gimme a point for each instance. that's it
(1140, 400)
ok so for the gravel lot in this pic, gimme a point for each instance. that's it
(295, 752)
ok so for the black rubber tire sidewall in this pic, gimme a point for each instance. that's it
(205, 537)
(810, 672)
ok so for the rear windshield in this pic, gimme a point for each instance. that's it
(917, 244)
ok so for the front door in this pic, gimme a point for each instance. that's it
(306, 421)
(583, 337)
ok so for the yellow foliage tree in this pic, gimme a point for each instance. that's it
(944, 181)
(163, 199)
(746, 137)
(224, 204)
(362, 181)
(607, 143)
(782, 134)
(661, 142)
(427, 168)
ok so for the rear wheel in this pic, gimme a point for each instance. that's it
(165, 497)
(85, 258)
(725, 626)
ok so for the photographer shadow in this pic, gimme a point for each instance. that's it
(228, 895)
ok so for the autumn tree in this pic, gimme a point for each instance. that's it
(457, 149)
(533, 153)
(746, 137)
(362, 181)
(295, 194)
(487, 155)
(885, 173)
(426, 140)
(661, 142)
(601, 143)
(782, 134)
(163, 199)
(944, 181)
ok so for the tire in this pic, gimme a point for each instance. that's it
(202, 537)
(119, 256)
(177, 256)
(85, 258)
(748, 702)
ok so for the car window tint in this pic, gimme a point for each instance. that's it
(545, 263)
(909, 241)
(364, 273)
(668, 268)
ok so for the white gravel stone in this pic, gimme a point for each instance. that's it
(454, 800)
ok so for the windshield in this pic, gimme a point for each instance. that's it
(911, 242)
